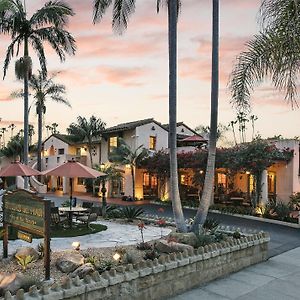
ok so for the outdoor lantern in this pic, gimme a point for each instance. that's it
(116, 256)
(76, 246)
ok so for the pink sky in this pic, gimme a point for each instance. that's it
(125, 78)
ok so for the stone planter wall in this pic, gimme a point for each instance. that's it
(159, 279)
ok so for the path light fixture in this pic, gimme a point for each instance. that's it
(76, 246)
(117, 257)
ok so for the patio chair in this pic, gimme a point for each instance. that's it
(57, 218)
(87, 219)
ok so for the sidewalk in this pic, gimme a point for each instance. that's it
(276, 279)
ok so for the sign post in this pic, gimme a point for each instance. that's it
(30, 214)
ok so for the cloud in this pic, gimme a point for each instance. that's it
(124, 76)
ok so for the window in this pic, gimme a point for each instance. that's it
(113, 143)
(152, 143)
(46, 160)
(80, 181)
(78, 151)
(183, 179)
(57, 159)
(61, 151)
(146, 179)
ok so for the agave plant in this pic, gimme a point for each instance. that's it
(130, 212)
(24, 261)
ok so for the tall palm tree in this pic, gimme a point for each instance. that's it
(125, 155)
(210, 169)
(31, 133)
(46, 24)
(48, 128)
(3, 130)
(122, 9)
(273, 54)
(86, 131)
(54, 128)
(12, 126)
(43, 89)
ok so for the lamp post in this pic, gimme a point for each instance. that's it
(103, 191)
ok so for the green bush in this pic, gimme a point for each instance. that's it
(131, 212)
(211, 224)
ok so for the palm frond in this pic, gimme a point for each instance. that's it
(9, 54)
(53, 12)
(60, 40)
(100, 7)
(122, 11)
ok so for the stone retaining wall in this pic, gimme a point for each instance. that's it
(158, 279)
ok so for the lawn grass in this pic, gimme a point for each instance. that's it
(60, 232)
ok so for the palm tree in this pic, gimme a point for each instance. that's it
(86, 131)
(231, 124)
(210, 169)
(253, 118)
(273, 53)
(125, 155)
(43, 89)
(54, 128)
(48, 128)
(31, 133)
(12, 126)
(112, 173)
(46, 24)
(122, 9)
(3, 130)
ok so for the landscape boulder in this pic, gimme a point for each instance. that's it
(10, 282)
(83, 270)
(164, 246)
(188, 238)
(28, 251)
(69, 262)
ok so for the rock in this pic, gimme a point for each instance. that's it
(83, 270)
(28, 251)
(188, 238)
(69, 262)
(10, 282)
(164, 247)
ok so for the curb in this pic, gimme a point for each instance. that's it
(260, 219)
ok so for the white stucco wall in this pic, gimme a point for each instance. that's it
(181, 129)
(144, 132)
(288, 180)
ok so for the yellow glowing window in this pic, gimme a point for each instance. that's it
(251, 183)
(146, 179)
(183, 179)
(113, 143)
(152, 143)
(222, 179)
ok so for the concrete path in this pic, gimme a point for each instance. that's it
(115, 235)
(276, 279)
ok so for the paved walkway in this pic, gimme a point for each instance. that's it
(116, 234)
(276, 279)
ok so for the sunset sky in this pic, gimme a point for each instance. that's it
(125, 78)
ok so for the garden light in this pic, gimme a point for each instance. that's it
(76, 246)
(116, 256)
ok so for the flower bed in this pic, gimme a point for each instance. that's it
(159, 278)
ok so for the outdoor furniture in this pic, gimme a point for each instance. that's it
(87, 219)
(71, 211)
(56, 218)
(238, 201)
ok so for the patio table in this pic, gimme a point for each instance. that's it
(70, 212)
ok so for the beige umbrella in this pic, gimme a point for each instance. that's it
(73, 169)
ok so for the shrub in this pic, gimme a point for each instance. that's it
(151, 254)
(113, 212)
(91, 259)
(24, 261)
(211, 224)
(104, 265)
(130, 212)
(144, 246)
(277, 210)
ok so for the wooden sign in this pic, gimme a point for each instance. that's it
(30, 214)
(27, 237)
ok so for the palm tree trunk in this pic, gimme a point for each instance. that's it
(174, 190)
(133, 182)
(210, 170)
(26, 111)
(40, 137)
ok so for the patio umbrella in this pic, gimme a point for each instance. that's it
(73, 169)
(18, 169)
